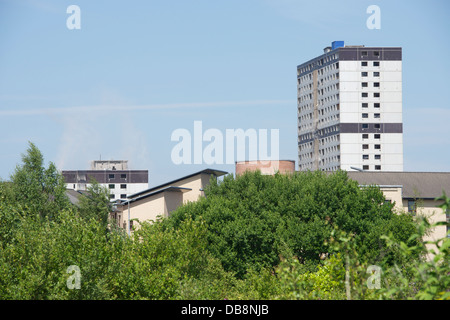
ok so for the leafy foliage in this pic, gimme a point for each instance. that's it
(254, 219)
(306, 236)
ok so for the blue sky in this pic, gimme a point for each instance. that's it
(138, 70)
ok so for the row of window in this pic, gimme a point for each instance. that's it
(366, 84)
(367, 157)
(366, 74)
(366, 126)
(375, 136)
(376, 146)
(366, 94)
(320, 62)
(113, 196)
(112, 176)
(375, 115)
(367, 167)
(366, 64)
(366, 105)
(113, 186)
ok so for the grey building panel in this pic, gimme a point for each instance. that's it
(106, 176)
(370, 54)
(384, 128)
(352, 54)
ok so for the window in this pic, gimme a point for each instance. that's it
(412, 206)
(376, 74)
(376, 63)
(365, 126)
(363, 63)
(123, 186)
(365, 167)
(378, 157)
(376, 84)
(364, 84)
(365, 146)
(377, 167)
(365, 136)
(377, 136)
(365, 157)
(378, 146)
(377, 126)
(376, 105)
(376, 94)
(365, 105)
(376, 53)
(123, 176)
(364, 53)
(376, 116)
(364, 74)
(112, 186)
(123, 196)
(111, 176)
(365, 115)
(364, 95)
(112, 196)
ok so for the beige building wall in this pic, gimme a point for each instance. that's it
(159, 202)
(394, 194)
(426, 207)
(429, 209)
(196, 183)
(172, 201)
(148, 208)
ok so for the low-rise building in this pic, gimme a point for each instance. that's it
(161, 200)
(413, 192)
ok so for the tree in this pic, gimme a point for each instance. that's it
(38, 189)
(254, 219)
(95, 204)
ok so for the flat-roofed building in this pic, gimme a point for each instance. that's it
(349, 109)
(113, 174)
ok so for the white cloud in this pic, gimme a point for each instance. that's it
(117, 108)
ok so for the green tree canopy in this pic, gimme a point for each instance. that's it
(254, 219)
(95, 204)
(38, 189)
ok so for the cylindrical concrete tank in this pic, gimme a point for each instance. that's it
(268, 167)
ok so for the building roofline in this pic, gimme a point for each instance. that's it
(215, 172)
(168, 189)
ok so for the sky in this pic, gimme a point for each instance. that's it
(136, 71)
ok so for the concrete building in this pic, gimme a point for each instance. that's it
(114, 174)
(413, 192)
(161, 200)
(269, 167)
(350, 109)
